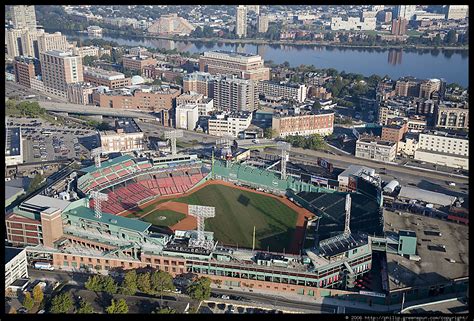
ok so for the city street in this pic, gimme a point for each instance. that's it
(13, 89)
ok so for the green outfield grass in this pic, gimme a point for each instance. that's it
(172, 218)
(238, 211)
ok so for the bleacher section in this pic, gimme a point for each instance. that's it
(130, 182)
(365, 213)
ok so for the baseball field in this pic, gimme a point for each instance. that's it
(238, 210)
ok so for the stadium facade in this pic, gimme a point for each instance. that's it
(76, 238)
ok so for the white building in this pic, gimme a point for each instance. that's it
(187, 116)
(405, 12)
(23, 17)
(284, 90)
(408, 145)
(233, 124)
(127, 137)
(53, 41)
(13, 146)
(355, 170)
(94, 31)
(353, 23)
(375, 149)
(457, 12)
(241, 21)
(443, 148)
(262, 24)
(15, 265)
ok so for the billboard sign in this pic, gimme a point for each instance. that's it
(325, 164)
(319, 180)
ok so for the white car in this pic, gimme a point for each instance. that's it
(225, 297)
(452, 184)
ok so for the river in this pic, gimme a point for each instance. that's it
(452, 65)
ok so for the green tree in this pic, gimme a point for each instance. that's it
(61, 303)
(28, 302)
(200, 289)
(143, 282)
(38, 294)
(117, 307)
(157, 82)
(129, 284)
(101, 283)
(109, 285)
(106, 57)
(268, 133)
(451, 37)
(316, 106)
(35, 183)
(88, 60)
(85, 308)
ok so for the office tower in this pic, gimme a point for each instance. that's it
(241, 21)
(23, 17)
(59, 69)
(399, 26)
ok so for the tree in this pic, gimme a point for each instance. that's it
(268, 133)
(85, 308)
(451, 37)
(28, 302)
(129, 284)
(117, 307)
(161, 281)
(99, 283)
(106, 57)
(200, 289)
(157, 82)
(316, 106)
(88, 60)
(108, 285)
(61, 303)
(38, 294)
(35, 183)
(143, 282)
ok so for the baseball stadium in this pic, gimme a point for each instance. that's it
(240, 225)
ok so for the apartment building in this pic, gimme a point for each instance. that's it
(138, 62)
(246, 66)
(428, 87)
(457, 12)
(452, 116)
(394, 133)
(90, 51)
(23, 17)
(189, 98)
(25, 68)
(229, 124)
(94, 31)
(408, 145)
(286, 91)
(289, 125)
(444, 148)
(234, 94)
(375, 149)
(142, 98)
(102, 77)
(127, 137)
(353, 23)
(241, 22)
(199, 82)
(262, 24)
(60, 69)
(22, 42)
(187, 116)
(81, 93)
(53, 41)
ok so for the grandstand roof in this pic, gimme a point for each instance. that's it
(426, 196)
(123, 222)
(108, 163)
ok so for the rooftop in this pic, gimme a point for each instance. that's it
(230, 54)
(40, 203)
(11, 252)
(12, 191)
(449, 134)
(414, 193)
(434, 266)
(377, 141)
(13, 142)
(108, 163)
(123, 222)
(102, 73)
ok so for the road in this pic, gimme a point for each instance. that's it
(345, 160)
(13, 89)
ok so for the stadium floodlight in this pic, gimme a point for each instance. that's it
(201, 213)
(284, 147)
(347, 228)
(98, 198)
(95, 153)
(226, 141)
(172, 135)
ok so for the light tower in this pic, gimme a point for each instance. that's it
(172, 135)
(201, 213)
(347, 228)
(284, 147)
(226, 141)
(98, 198)
(95, 153)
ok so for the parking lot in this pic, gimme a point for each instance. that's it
(47, 142)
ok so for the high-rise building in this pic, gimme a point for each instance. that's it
(254, 8)
(53, 41)
(399, 26)
(428, 87)
(187, 116)
(405, 12)
(24, 69)
(452, 116)
(59, 69)
(286, 91)
(234, 94)
(262, 24)
(241, 21)
(457, 12)
(243, 65)
(23, 17)
(22, 42)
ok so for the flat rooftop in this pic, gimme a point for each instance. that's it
(13, 141)
(11, 252)
(434, 267)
